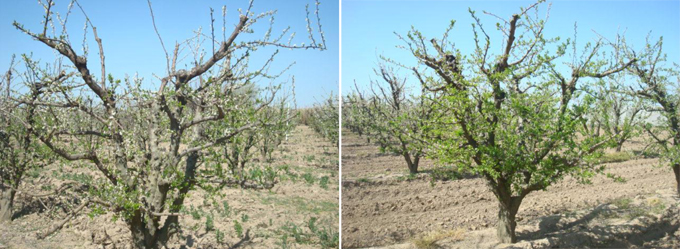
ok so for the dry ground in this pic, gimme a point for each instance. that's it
(270, 219)
(383, 207)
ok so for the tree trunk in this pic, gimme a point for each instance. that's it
(506, 223)
(619, 146)
(143, 235)
(6, 204)
(507, 210)
(676, 171)
(412, 164)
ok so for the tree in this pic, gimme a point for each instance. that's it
(515, 118)
(621, 113)
(354, 116)
(655, 85)
(280, 116)
(151, 147)
(395, 117)
(19, 150)
(324, 119)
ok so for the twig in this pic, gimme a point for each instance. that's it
(153, 21)
(61, 224)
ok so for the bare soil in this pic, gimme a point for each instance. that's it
(268, 217)
(645, 221)
(383, 207)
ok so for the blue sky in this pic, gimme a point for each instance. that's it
(131, 45)
(369, 26)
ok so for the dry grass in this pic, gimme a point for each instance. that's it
(616, 157)
(429, 240)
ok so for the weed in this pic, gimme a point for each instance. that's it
(364, 180)
(300, 204)
(623, 203)
(209, 223)
(195, 213)
(308, 178)
(635, 212)
(311, 224)
(309, 158)
(429, 240)
(219, 235)
(284, 241)
(656, 206)
(244, 218)
(226, 209)
(295, 231)
(445, 173)
(323, 182)
(287, 172)
(238, 228)
(326, 236)
(616, 157)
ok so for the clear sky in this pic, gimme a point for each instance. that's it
(131, 45)
(369, 26)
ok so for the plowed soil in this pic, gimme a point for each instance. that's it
(382, 207)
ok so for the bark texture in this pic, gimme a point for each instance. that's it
(6, 204)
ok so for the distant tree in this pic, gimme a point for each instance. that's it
(395, 117)
(620, 112)
(279, 117)
(19, 150)
(515, 118)
(151, 147)
(324, 119)
(353, 117)
(659, 85)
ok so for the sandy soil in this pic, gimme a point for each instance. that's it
(268, 218)
(380, 208)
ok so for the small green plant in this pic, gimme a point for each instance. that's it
(219, 235)
(429, 241)
(309, 158)
(244, 218)
(623, 203)
(287, 172)
(226, 209)
(295, 231)
(209, 223)
(195, 213)
(311, 224)
(363, 180)
(655, 205)
(308, 178)
(326, 236)
(284, 241)
(238, 228)
(636, 211)
(616, 157)
(323, 182)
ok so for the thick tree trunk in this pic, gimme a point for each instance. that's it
(144, 235)
(6, 204)
(676, 171)
(508, 206)
(506, 223)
